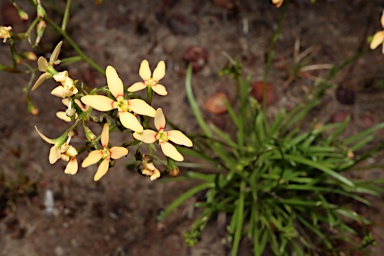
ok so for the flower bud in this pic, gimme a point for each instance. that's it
(17, 59)
(350, 154)
(89, 134)
(29, 55)
(70, 112)
(22, 14)
(40, 11)
(173, 170)
(40, 28)
(32, 109)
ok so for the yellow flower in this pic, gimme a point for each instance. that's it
(149, 168)
(62, 150)
(47, 66)
(149, 80)
(124, 106)
(67, 87)
(105, 153)
(5, 33)
(54, 153)
(162, 136)
(378, 38)
(68, 154)
(277, 3)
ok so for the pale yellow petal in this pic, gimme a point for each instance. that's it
(92, 158)
(102, 170)
(72, 166)
(118, 152)
(377, 39)
(382, 19)
(159, 72)
(54, 154)
(78, 103)
(65, 102)
(99, 102)
(129, 121)
(155, 175)
(145, 72)
(159, 119)
(70, 84)
(61, 76)
(71, 151)
(159, 89)
(141, 107)
(137, 87)
(170, 151)
(42, 64)
(46, 139)
(179, 138)
(114, 82)
(105, 135)
(55, 52)
(58, 91)
(277, 3)
(40, 80)
(63, 116)
(147, 136)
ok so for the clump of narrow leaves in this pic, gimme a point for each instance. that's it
(280, 185)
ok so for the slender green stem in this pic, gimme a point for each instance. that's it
(239, 220)
(271, 54)
(149, 101)
(74, 46)
(33, 24)
(149, 95)
(193, 103)
(66, 15)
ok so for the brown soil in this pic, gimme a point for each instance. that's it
(116, 216)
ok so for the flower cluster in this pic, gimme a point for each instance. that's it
(120, 110)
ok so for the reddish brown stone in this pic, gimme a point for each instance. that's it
(367, 121)
(257, 92)
(196, 56)
(180, 24)
(339, 116)
(215, 103)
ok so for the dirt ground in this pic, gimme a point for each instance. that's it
(116, 216)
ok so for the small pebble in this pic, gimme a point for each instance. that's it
(196, 56)
(257, 92)
(367, 121)
(345, 96)
(59, 251)
(182, 25)
(215, 103)
(339, 116)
